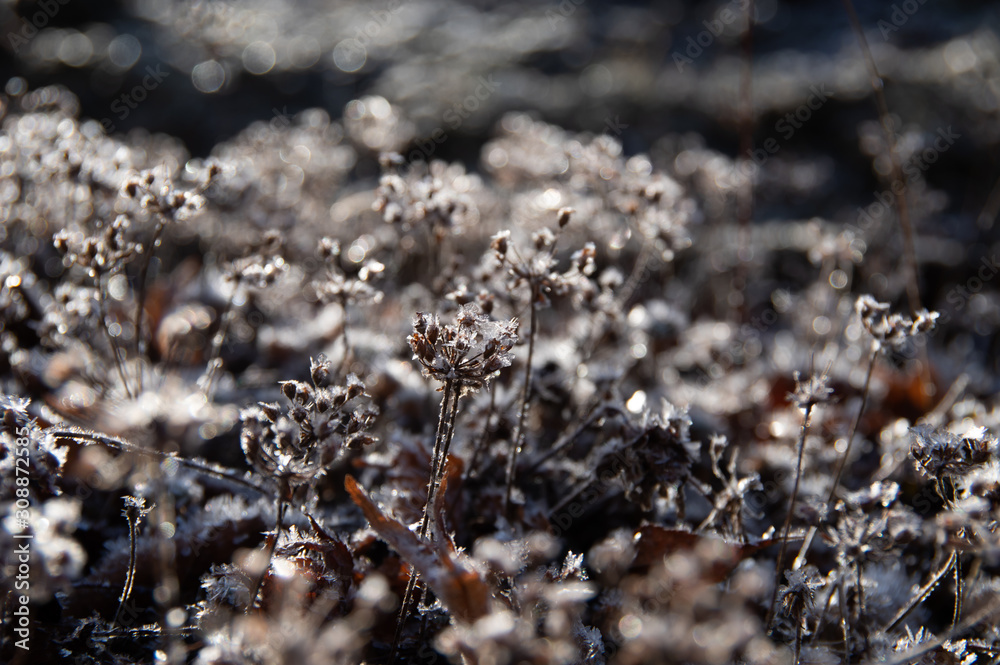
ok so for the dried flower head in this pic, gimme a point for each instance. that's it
(337, 286)
(470, 352)
(135, 509)
(262, 263)
(810, 392)
(892, 329)
(859, 537)
(155, 191)
(300, 444)
(939, 453)
(658, 458)
(799, 594)
(439, 195)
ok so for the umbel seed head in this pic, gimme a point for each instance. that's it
(469, 352)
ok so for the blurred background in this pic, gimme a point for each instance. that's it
(204, 70)
(662, 77)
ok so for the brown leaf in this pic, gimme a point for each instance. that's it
(457, 585)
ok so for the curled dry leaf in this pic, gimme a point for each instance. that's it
(459, 587)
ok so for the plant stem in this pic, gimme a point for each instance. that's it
(84, 437)
(441, 447)
(140, 299)
(844, 620)
(857, 423)
(570, 438)
(207, 380)
(922, 592)
(798, 640)
(912, 289)
(442, 442)
(133, 529)
(516, 440)
(788, 517)
(280, 509)
(345, 362)
(477, 451)
(959, 588)
(103, 311)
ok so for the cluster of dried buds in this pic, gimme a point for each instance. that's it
(537, 265)
(106, 250)
(798, 596)
(299, 444)
(337, 286)
(163, 197)
(892, 329)
(939, 453)
(468, 353)
(436, 195)
(811, 391)
(262, 264)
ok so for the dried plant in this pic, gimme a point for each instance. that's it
(295, 448)
(808, 393)
(536, 270)
(217, 326)
(464, 357)
(135, 509)
(338, 288)
(259, 268)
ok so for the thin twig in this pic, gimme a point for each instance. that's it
(899, 192)
(129, 575)
(140, 298)
(442, 442)
(854, 428)
(878, 85)
(135, 510)
(102, 309)
(85, 437)
(484, 437)
(518, 437)
(922, 593)
(788, 517)
(567, 439)
(931, 645)
(207, 380)
(844, 621)
(272, 546)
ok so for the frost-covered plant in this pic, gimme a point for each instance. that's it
(295, 448)
(464, 357)
(630, 542)
(338, 288)
(135, 509)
